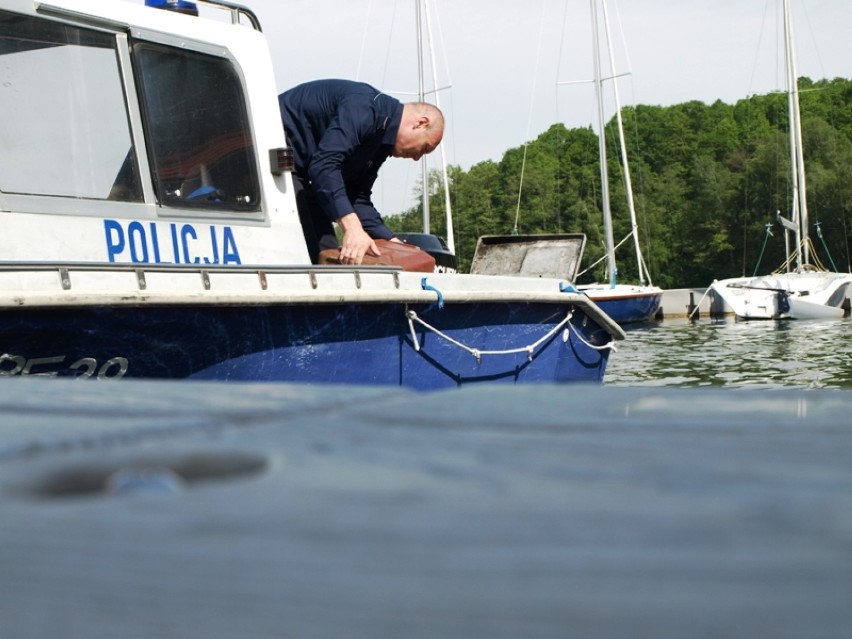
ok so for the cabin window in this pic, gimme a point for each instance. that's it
(64, 129)
(196, 125)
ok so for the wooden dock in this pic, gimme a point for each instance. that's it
(174, 510)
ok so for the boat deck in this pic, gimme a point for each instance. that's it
(302, 511)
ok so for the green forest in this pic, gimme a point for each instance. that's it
(708, 181)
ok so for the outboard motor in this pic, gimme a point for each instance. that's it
(782, 303)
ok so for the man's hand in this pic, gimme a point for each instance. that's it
(356, 242)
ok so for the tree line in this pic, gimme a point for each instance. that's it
(707, 180)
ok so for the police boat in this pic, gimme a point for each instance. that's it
(150, 228)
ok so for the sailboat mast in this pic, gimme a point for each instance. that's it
(451, 244)
(800, 205)
(607, 213)
(628, 185)
(421, 93)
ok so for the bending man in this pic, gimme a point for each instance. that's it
(341, 133)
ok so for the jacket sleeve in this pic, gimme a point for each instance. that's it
(352, 125)
(370, 218)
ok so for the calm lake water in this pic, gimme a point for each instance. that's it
(677, 352)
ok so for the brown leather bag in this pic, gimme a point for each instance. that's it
(408, 256)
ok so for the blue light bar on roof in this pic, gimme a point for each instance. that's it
(181, 6)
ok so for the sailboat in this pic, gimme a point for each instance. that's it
(543, 254)
(801, 288)
(625, 303)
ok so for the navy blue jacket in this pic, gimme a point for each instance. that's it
(341, 132)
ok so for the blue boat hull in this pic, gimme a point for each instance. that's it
(370, 344)
(626, 310)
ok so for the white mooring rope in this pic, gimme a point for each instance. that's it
(529, 350)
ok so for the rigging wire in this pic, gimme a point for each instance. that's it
(748, 103)
(448, 194)
(363, 41)
(559, 137)
(388, 51)
(529, 116)
(451, 244)
(646, 227)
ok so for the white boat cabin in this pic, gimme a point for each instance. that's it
(131, 134)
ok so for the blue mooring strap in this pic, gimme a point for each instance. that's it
(427, 287)
(567, 287)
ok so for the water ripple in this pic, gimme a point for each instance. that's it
(802, 354)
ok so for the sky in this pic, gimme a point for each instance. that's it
(507, 70)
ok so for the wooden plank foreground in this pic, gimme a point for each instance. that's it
(285, 511)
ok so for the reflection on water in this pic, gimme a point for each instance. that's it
(803, 354)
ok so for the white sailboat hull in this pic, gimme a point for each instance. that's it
(812, 295)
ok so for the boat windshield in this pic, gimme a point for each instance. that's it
(199, 143)
(63, 120)
(66, 128)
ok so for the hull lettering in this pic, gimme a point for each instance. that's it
(175, 244)
(113, 368)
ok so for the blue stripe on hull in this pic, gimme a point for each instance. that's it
(351, 344)
(633, 309)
